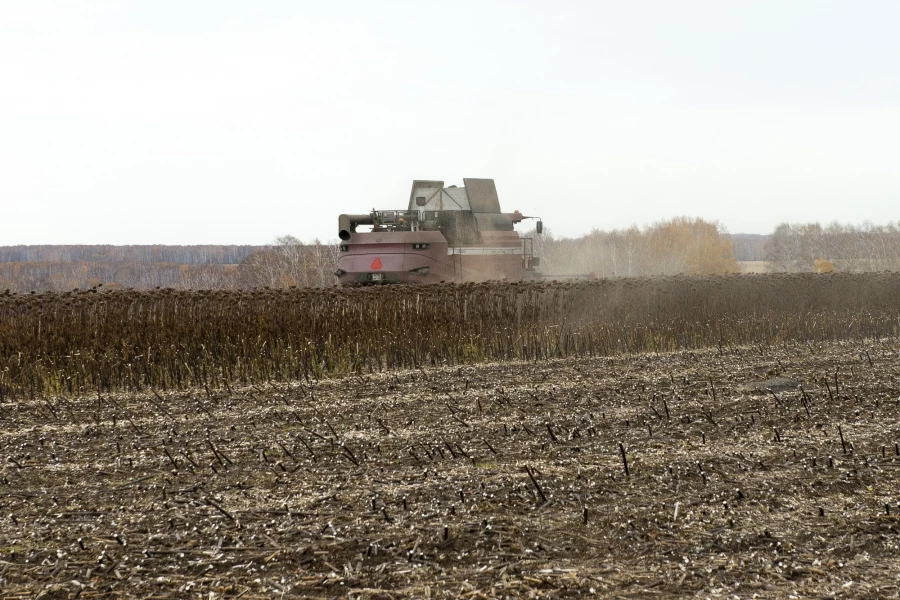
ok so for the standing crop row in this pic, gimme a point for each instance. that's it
(81, 342)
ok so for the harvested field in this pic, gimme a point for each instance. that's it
(498, 480)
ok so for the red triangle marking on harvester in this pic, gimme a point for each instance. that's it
(376, 264)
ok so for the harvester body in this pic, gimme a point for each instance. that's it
(452, 234)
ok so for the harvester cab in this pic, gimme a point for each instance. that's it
(452, 234)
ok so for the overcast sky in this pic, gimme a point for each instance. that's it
(233, 122)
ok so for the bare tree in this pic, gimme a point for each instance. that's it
(290, 262)
(849, 248)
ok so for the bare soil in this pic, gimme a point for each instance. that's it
(500, 480)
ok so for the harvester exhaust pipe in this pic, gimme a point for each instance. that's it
(347, 224)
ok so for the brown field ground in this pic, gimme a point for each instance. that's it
(496, 480)
(754, 266)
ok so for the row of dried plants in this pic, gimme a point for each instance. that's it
(98, 341)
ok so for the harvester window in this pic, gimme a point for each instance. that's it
(420, 246)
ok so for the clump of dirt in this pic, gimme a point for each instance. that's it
(632, 476)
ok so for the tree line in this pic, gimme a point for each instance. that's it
(694, 246)
(180, 255)
(678, 246)
(288, 262)
(810, 247)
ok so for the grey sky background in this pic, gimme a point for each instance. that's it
(195, 121)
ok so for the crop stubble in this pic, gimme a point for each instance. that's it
(493, 480)
(627, 476)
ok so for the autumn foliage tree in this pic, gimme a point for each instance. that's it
(690, 246)
(681, 245)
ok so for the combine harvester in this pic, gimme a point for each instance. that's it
(448, 234)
